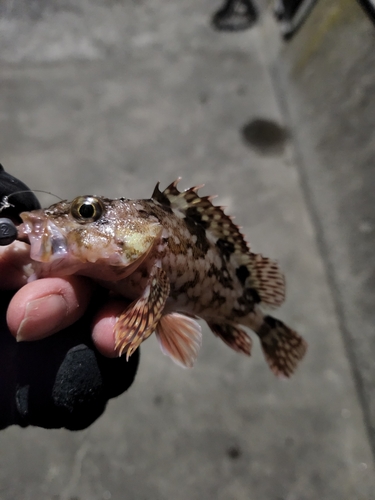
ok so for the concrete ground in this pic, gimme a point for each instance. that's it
(109, 100)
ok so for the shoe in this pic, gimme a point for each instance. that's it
(235, 15)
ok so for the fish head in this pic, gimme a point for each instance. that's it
(91, 235)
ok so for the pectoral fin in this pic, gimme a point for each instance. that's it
(180, 338)
(140, 318)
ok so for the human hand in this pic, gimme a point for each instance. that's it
(61, 380)
(46, 306)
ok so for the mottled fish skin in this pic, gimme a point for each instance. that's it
(177, 257)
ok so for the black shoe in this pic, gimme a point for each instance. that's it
(235, 15)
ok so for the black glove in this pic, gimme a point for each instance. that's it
(60, 381)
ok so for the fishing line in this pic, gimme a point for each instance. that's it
(5, 200)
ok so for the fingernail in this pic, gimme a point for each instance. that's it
(42, 318)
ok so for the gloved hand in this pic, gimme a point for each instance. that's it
(61, 380)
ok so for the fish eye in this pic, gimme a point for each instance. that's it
(86, 208)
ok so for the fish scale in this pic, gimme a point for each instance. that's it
(176, 257)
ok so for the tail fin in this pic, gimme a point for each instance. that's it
(282, 346)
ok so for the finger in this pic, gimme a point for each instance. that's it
(104, 325)
(47, 306)
(13, 259)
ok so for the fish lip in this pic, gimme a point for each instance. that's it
(22, 235)
(46, 240)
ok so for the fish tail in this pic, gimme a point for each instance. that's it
(283, 347)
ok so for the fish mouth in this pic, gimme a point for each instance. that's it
(54, 254)
(47, 243)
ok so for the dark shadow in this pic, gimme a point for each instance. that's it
(265, 136)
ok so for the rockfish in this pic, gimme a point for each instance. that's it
(176, 257)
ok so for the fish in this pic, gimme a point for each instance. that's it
(176, 258)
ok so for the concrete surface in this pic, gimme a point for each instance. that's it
(327, 77)
(110, 100)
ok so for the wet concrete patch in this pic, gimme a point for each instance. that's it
(265, 136)
(234, 452)
(158, 400)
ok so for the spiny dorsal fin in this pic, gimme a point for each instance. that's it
(203, 212)
(253, 270)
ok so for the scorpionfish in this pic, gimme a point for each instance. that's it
(176, 257)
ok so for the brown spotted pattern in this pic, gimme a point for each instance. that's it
(173, 253)
(139, 320)
(252, 270)
(282, 350)
(233, 336)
